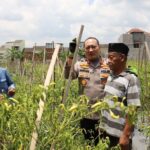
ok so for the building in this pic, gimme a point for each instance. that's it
(135, 39)
(40, 53)
(4, 49)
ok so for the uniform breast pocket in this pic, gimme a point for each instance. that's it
(84, 77)
(84, 82)
(103, 78)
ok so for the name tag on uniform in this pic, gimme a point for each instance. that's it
(104, 73)
(84, 74)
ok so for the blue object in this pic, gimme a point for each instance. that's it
(5, 81)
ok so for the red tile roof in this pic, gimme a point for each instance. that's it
(135, 30)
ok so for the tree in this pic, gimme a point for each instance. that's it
(14, 53)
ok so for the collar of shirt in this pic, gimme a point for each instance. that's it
(122, 74)
(97, 63)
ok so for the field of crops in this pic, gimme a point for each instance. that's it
(59, 127)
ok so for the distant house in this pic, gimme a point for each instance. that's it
(36, 53)
(135, 39)
(17, 44)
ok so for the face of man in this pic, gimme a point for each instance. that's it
(92, 49)
(115, 61)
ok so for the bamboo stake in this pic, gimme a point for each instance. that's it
(32, 67)
(145, 71)
(138, 58)
(147, 50)
(72, 66)
(148, 54)
(142, 57)
(70, 77)
(41, 103)
(44, 62)
(44, 56)
(147, 57)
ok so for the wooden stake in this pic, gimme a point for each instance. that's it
(72, 66)
(41, 103)
(147, 50)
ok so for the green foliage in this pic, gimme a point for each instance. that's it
(81, 53)
(63, 55)
(143, 71)
(132, 70)
(59, 126)
(15, 54)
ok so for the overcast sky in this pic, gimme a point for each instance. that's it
(41, 21)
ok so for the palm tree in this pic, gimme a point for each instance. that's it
(14, 53)
(16, 56)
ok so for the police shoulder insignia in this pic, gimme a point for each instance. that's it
(104, 66)
(84, 65)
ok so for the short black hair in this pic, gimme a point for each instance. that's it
(92, 38)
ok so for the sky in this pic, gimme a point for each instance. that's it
(44, 21)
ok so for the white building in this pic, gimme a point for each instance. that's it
(17, 44)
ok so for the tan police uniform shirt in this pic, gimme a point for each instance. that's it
(92, 79)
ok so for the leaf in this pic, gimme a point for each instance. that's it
(96, 104)
(113, 115)
(73, 107)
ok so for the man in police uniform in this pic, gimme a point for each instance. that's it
(92, 72)
(125, 85)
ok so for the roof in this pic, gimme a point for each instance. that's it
(135, 30)
(39, 47)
